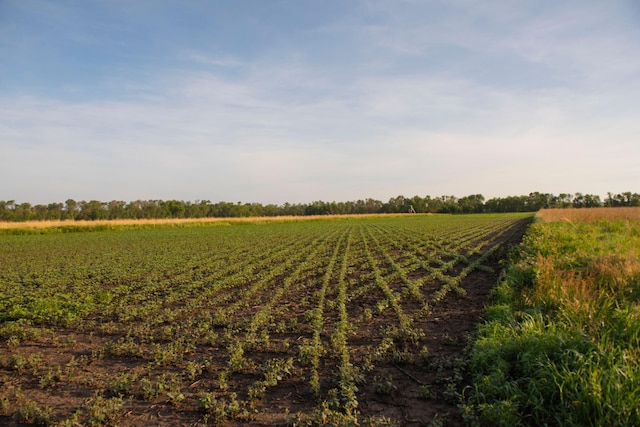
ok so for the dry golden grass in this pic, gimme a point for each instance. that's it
(576, 293)
(589, 214)
(70, 223)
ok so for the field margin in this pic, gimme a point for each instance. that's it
(69, 226)
(561, 340)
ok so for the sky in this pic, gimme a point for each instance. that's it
(275, 101)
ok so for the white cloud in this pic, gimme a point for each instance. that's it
(405, 116)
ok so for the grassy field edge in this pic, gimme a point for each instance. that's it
(70, 226)
(560, 344)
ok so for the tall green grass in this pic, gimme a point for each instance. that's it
(561, 344)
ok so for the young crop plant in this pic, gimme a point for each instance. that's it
(101, 411)
(406, 332)
(384, 385)
(236, 361)
(30, 412)
(343, 398)
(273, 371)
(220, 324)
(316, 348)
(410, 287)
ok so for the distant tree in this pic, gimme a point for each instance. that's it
(117, 210)
(394, 205)
(317, 208)
(173, 209)
(472, 204)
(134, 210)
(7, 210)
(70, 209)
(271, 210)
(586, 201)
(449, 205)
(92, 210)
(537, 201)
(55, 211)
(23, 212)
(199, 209)
(149, 209)
(372, 205)
(432, 205)
(507, 204)
(626, 198)
(592, 201)
(563, 200)
(39, 212)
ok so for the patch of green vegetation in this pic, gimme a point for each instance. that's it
(212, 321)
(561, 345)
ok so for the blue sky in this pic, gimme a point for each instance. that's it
(277, 101)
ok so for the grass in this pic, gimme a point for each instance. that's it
(590, 214)
(69, 226)
(561, 345)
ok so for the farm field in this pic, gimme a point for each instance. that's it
(323, 321)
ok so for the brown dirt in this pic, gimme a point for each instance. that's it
(448, 331)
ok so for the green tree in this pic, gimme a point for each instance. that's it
(472, 204)
(70, 210)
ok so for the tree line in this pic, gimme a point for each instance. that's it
(10, 210)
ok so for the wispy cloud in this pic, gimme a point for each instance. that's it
(416, 99)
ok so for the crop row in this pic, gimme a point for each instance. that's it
(213, 321)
